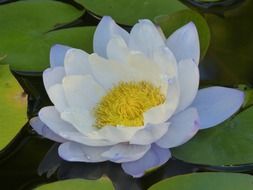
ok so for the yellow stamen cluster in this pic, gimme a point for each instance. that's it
(125, 104)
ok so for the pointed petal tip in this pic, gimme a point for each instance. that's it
(184, 43)
(216, 104)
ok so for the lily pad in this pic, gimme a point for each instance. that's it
(78, 184)
(229, 143)
(24, 35)
(170, 23)
(12, 106)
(129, 12)
(207, 181)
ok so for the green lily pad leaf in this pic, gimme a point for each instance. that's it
(2, 57)
(229, 143)
(35, 57)
(170, 23)
(12, 106)
(24, 35)
(248, 98)
(209, 1)
(129, 12)
(248, 95)
(78, 184)
(207, 181)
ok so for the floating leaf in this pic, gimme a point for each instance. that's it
(129, 12)
(229, 143)
(12, 106)
(78, 184)
(24, 35)
(170, 23)
(207, 181)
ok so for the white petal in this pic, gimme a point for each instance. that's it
(166, 61)
(125, 152)
(183, 127)
(82, 91)
(52, 76)
(143, 69)
(188, 74)
(57, 96)
(75, 152)
(117, 49)
(184, 43)
(57, 54)
(109, 73)
(145, 37)
(155, 157)
(161, 113)
(51, 118)
(216, 104)
(149, 134)
(81, 119)
(116, 134)
(76, 62)
(44, 131)
(106, 29)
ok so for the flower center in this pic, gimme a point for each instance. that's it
(125, 104)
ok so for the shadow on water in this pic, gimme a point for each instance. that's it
(30, 160)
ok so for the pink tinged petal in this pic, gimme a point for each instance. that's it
(76, 62)
(145, 37)
(44, 131)
(82, 91)
(155, 157)
(166, 61)
(75, 152)
(81, 119)
(124, 152)
(117, 49)
(183, 127)
(161, 113)
(106, 29)
(52, 76)
(184, 43)
(57, 54)
(57, 97)
(188, 74)
(149, 134)
(216, 104)
(52, 120)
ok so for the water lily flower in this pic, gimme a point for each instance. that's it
(131, 100)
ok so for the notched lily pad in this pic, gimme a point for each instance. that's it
(24, 35)
(12, 106)
(129, 12)
(207, 181)
(78, 184)
(170, 23)
(229, 143)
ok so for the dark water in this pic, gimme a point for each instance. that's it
(30, 160)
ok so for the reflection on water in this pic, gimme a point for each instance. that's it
(229, 61)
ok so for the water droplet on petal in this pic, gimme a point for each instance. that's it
(87, 156)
